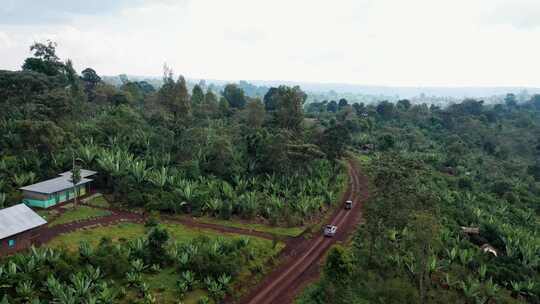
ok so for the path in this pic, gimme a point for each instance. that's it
(301, 264)
(47, 233)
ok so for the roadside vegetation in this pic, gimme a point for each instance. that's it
(446, 183)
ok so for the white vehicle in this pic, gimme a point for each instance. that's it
(330, 230)
(348, 204)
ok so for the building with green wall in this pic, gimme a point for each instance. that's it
(57, 190)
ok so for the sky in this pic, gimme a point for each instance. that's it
(369, 42)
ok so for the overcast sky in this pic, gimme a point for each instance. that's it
(382, 42)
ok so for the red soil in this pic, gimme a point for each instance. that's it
(303, 256)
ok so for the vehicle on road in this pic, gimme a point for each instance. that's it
(330, 230)
(348, 204)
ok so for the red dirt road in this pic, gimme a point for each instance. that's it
(301, 265)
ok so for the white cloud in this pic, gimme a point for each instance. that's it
(394, 42)
(522, 14)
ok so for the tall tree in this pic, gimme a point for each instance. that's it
(332, 106)
(270, 99)
(510, 100)
(45, 59)
(91, 79)
(197, 95)
(288, 103)
(174, 95)
(342, 103)
(334, 141)
(235, 96)
(255, 114)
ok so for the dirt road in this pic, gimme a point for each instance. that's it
(301, 265)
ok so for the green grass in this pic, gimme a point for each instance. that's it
(130, 231)
(363, 159)
(79, 213)
(72, 240)
(99, 201)
(281, 231)
(48, 215)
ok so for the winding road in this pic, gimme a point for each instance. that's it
(301, 265)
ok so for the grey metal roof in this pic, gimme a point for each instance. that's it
(54, 185)
(17, 219)
(84, 173)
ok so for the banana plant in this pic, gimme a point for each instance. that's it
(85, 250)
(224, 281)
(452, 253)
(159, 178)
(137, 266)
(20, 179)
(491, 289)
(212, 206)
(188, 277)
(88, 153)
(182, 288)
(138, 171)
(82, 285)
(25, 290)
(471, 289)
(214, 289)
(133, 278)
(183, 259)
(482, 270)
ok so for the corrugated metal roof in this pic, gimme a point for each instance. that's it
(84, 173)
(17, 219)
(54, 185)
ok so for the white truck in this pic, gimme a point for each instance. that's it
(330, 230)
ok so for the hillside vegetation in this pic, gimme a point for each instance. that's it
(433, 171)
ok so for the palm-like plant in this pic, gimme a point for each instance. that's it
(470, 288)
(138, 171)
(25, 290)
(82, 285)
(188, 277)
(250, 204)
(20, 179)
(137, 266)
(88, 153)
(159, 178)
(212, 206)
(482, 270)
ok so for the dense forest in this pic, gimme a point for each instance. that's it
(275, 159)
(165, 150)
(441, 171)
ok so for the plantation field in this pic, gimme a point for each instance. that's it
(163, 284)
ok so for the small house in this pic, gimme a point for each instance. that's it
(18, 228)
(57, 190)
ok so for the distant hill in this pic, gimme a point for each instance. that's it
(364, 93)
